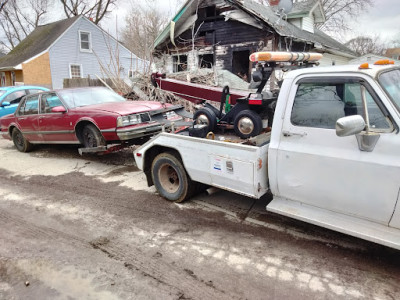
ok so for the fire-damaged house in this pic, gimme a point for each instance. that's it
(223, 33)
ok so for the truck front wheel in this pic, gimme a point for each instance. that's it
(170, 178)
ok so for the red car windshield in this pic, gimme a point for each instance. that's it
(89, 96)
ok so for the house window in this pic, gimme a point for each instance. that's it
(241, 64)
(85, 40)
(75, 71)
(180, 63)
(206, 61)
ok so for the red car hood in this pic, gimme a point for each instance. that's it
(124, 108)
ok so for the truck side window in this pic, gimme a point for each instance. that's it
(320, 105)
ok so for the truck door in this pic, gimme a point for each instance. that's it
(318, 168)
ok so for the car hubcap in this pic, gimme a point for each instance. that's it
(202, 119)
(90, 140)
(246, 125)
(169, 178)
(19, 140)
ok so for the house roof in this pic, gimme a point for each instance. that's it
(287, 29)
(35, 43)
(392, 51)
(305, 8)
(267, 15)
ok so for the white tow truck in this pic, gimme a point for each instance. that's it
(331, 158)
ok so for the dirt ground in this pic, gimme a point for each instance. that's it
(88, 227)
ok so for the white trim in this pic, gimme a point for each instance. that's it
(81, 70)
(32, 58)
(90, 50)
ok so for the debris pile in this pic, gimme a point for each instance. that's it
(143, 89)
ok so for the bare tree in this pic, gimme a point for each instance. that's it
(339, 12)
(144, 23)
(2, 4)
(364, 45)
(19, 18)
(95, 10)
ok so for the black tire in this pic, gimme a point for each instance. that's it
(170, 178)
(206, 116)
(20, 142)
(247, 124)
(91, 137)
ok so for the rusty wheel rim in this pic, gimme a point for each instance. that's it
(169, 178)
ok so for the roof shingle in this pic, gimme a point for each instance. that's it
(35, 43)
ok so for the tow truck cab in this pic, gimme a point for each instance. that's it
(331, 158)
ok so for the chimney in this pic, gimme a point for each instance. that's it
(274, 2)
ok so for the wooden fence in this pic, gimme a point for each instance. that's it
(83, 82)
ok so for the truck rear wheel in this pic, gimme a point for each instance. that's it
(207, 117)
(170, 178)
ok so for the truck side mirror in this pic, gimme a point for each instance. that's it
(354, 125)
(350, 125)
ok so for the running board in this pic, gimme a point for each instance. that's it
(353, 226)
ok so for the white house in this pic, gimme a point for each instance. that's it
(70, 48)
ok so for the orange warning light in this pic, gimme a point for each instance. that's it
(382, 62)
(364, 66)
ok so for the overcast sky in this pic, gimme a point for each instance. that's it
(383, 19)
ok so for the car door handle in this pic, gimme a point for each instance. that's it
(289, 133)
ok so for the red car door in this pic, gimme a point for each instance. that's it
(56, 127)
(28, 119)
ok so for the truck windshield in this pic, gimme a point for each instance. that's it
(390, 81)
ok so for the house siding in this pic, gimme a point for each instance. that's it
(67, 51)
(295, 22)
(330, 59)
(19, 77)
(37, 71)
(307, 24)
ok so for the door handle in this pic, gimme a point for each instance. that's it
(289, 133)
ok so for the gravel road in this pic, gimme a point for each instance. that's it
(88, 227)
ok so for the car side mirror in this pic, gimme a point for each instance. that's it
(58, 109)
(350, 125)
(5, 103)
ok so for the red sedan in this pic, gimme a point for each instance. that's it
(93, 117)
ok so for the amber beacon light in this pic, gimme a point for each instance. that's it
(284, 56)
